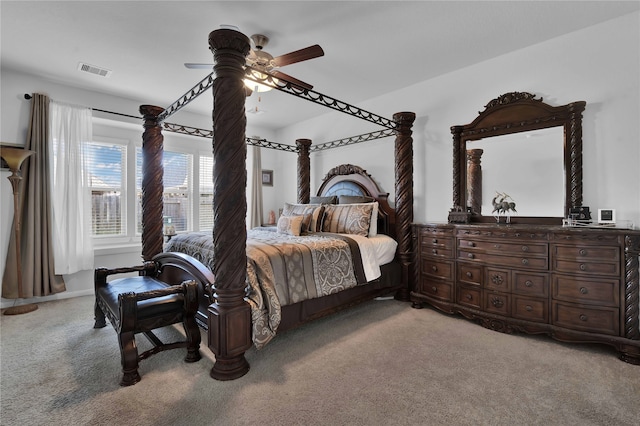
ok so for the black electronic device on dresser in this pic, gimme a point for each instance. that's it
(532, 275)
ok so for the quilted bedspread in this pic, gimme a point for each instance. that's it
(284, 269)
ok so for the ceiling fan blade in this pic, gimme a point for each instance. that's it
(196, 66)
(293, 80)
(310, 52)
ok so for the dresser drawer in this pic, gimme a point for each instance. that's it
(497, 279)
(469, 296)
(586, 253)
(603, 292)
(530, 309)
(531, 284)
(497, 246)
(436, 268)
(586, 267)
(594, 320)
(436, 241)
(433, 238)
(469, 273)
(540, 263)
(437, 289)
(498, 303)
(437, 252)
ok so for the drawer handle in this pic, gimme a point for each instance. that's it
(497, 246)
(525, 261)
(434, 289)
(434, 268)
(434, 241)
(469, 297)
(470, 255)
(525, 248)
(435, 251)
(583, 317)
(498, 303)
(528, 283)
(582, 252)
(471, 244)
(583, 267)
(497, 279)
(469, 275)
(584, 290)
(528, 308)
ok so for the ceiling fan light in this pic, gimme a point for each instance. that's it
(268, 82)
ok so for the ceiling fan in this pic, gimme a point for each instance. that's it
(264, 62)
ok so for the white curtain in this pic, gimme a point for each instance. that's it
(71, 128)
(254, 186)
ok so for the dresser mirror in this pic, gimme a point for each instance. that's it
(522, 147)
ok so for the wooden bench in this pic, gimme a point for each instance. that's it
(140, 304)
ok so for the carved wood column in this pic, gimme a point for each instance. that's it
(474, 180)
(304, 170)
(404, 197)
(152, 182)
(229, 316)
(457, 173)
(631, 291)
(573, 136)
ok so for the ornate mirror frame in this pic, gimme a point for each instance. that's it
(513, 113)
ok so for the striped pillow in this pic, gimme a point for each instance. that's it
(311, 213)
(347, 218)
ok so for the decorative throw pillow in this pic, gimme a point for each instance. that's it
(311, 212)
(373, 222)
(347, 218)
(290, 225)
(324, 200)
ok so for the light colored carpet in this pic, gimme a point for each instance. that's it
(380, 363)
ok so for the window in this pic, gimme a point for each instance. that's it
(206, 193)
(178, 185)
(107, 166)
(116, 181)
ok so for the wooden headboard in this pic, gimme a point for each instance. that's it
(348, 179)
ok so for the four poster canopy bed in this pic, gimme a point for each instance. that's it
(345, 245)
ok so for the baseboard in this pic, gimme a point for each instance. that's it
(7, 303)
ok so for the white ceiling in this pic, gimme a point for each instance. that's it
(371, 47)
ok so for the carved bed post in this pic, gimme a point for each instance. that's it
(229, 316)
(404, 196)
(304, 170)
(152, 182)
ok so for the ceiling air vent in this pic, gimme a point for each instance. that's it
(94, 70)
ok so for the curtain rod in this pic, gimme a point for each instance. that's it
(28, 96)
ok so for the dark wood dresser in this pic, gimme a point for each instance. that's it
(574, 284)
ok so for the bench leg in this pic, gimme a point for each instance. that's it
(129, 358)
(100, 321)
(193, 338)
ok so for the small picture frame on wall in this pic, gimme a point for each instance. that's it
(267, 177)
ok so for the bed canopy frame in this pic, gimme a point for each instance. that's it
(230, 312)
